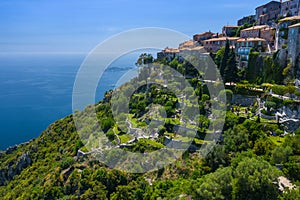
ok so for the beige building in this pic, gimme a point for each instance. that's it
(188, 44)
(168, 53)
(203, 36)
(244, 46)
(252, 32)
(258, 44)
(214, 44)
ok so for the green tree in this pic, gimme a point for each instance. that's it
(281, 154)
(230, 73)
(225, 58)
(217, 185)
(253, 71)
(144, 59)
(291, 194)
(236, 139)
(254, 179)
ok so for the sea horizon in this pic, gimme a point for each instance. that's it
(36, 90)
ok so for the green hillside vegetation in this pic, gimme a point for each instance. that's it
(245, 163)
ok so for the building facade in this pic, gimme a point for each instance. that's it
(168, 53)
(253, 32)
(214, 44)
(282, 31)
(290, 8)
(188, 44)
(244, 46)
(203, 36)
(268, 13)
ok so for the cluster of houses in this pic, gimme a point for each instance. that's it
(275, 26)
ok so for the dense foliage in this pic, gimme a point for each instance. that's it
(245, 163)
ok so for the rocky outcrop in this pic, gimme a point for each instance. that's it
(14, 169)
(291, 125)
(290, 112)
(10, 150)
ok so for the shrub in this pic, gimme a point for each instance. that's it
(66, 162)
(279, 89)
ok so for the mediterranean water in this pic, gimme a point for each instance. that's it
(36, 90)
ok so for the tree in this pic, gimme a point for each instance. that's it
(216, 157)
(217, 185)
(253, 71)
(291, 194)
(96, 192)
(263, 146)
(219, 56)
(236, 139)
(144, 59)
(225, 58)
(281, 154)
(255, 179)
(231, 69)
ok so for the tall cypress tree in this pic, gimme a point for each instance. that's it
(225, 58)
(231, 69)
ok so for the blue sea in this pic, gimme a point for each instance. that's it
(36, 90)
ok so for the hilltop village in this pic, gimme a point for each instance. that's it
(273, 29)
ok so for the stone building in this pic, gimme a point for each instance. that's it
(188, 44)
(268, 13)
(246, 20)
(283, 30)
(294, 48)
(168, 53)
(253, 32)
(203, 36)
(244, 45)
(229, 31)
(214, 44)
(290, 8)
(269, 34)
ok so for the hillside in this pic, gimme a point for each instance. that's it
(248, 161)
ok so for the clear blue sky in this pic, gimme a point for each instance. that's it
(79, 25)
